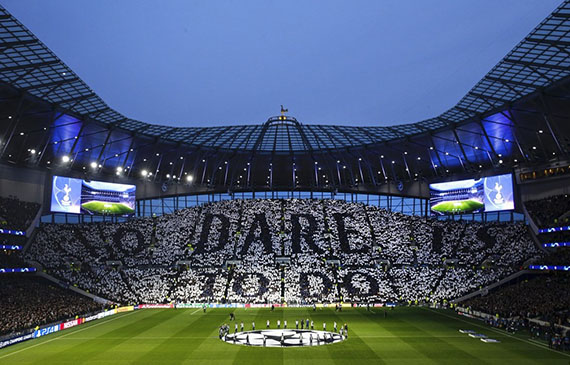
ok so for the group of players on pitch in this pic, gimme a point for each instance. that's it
(305, 324)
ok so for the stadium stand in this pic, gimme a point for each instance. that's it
(11, 259)
(544, 296)
(16, 214)
(552, 237)
(558, 256)
(29, 301)
(328, 242)
(11, 240)
(550, 212)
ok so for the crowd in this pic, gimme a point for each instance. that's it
(550, 212)
(16, 214)
(301, 251)
(199, 285)
(560, 236)
(542, 296)
(12, 240)
(29, 301)
(559, 256)
(11, 259)
(310, 280)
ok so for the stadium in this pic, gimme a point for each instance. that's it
(445, 240)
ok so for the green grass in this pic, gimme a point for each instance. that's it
(458, 206)
(168, 336)
(107, 208)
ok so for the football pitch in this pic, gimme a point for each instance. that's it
(180, 336)
(458, 206)
(107, 207)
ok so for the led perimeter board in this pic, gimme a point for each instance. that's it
(69, 195)
(487, 194)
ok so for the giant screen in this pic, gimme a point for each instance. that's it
(487, 194)
(79, 196)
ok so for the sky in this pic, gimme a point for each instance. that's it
(205, 63)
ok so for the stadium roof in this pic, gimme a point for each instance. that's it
(537, 61)
(479, 130)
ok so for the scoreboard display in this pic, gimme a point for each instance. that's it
(487, 194)
(70, 195)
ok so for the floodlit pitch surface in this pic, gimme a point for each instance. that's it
(458, 206)
(107, 208)
(169, 336)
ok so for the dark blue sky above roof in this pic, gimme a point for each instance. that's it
(184, 63)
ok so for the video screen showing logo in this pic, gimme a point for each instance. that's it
(488, 194)
(66, 195)
(71, 195)
(499, 193)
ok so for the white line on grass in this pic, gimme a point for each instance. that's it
(139, 338)
(536, 341)
(197, 310)
(67, 334)
(500, 332)
(216, 338)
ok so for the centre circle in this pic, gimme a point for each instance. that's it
(283, 338)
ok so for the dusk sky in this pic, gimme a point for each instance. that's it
(204, 63)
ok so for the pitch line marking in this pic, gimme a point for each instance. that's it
(65, 335)
(140, 338)
(216, 338)
(500, 332)
(535, 341)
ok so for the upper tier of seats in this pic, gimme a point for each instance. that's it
(550, 212)
(16, 214)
